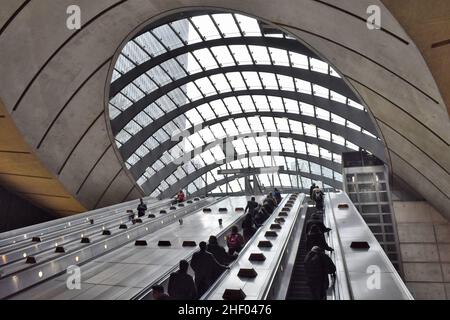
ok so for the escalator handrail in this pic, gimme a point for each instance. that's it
(383, 254)
(274, 271)
(341, 289)
(244, 249)
(165, 276)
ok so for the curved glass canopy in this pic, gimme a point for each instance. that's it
(204, 92)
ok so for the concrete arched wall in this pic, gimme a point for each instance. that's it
(53, 84)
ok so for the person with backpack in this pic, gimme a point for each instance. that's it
(318, 198)
(318, 266)
(235, 241)
(142, 207)
(260, 217)
(317, 219)
(181, 284)
(277, 195)
(316, 238)
(181, 196)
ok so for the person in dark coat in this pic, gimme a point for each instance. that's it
(181, 284)
(261, 216)
(319, 198)
(316, 219)
(313, 186)
(248, 227)
(142, 207)
(316, 238)
(159, 294)
(318, 266)
(277, 195)
(206, 268)
(218, 252)
(251, 206)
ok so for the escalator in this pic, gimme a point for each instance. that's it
(298, 288)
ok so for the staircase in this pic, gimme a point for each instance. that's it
(298, 288)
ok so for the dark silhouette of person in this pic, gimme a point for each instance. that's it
(316, 238)
(181, 284)
(318, 266)
(218, 251)
(316, 220)
(235, 241)
(159, 294)
(248, 227)
(277, 195)
(206, 268)
(142, 207)
(313, 186)
(319, 198)
(261, 216)
(251, 206)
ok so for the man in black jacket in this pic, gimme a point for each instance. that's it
(316, 219)
(318, 266)
(181, 284)
(206, 268)
(218, 252)
(313, 186)
(142, 207)
(316, 238)
(251, 206)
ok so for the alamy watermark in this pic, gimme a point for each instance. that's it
(374, 19)
(73, 21)
(225, 144)
(73, 281)
(374, 280)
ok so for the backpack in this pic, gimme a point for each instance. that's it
(314, 265)
(318, 197)
(233, 240)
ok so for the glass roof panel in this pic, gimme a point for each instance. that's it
(159, 76)
(135, 53)
(167, 37)
(269, 80)
(205, 86)
(232, 105)
(260, 54)
(249, 26)
(319, 66)
(206, 112)
(205, 58)
(236, 80)
(222, 54)
(241, 54)
(247, 103)
(206, 27)
(299, 60)
(124, 64)
(227, 25)
(276, 103)
(261, 103)
(279, 56)
(215, 26)
(219, 108)
(150, 44)
(252, 80)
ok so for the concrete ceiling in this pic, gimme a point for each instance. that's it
(428, 25)
(53, 84)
